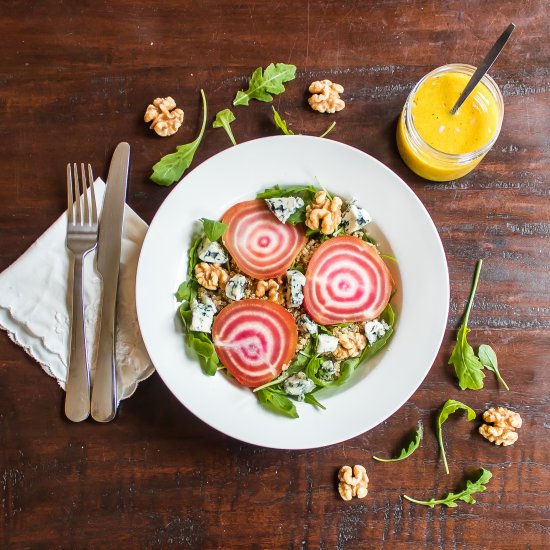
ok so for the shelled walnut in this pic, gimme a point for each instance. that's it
(350, 345)
(211, 276)
(164, 117)
(353, 483)
(272, 289)
(324, 214)
(326, 96)
(503, 431)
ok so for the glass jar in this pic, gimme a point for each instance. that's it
(428, 161)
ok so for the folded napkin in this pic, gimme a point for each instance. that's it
(35, 292)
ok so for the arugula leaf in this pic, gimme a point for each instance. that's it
(204, 348)
(193, 255)
(387, 315)
(280, 123)
(305, 192)
(264, 83)
(213, 229)
(488, 359)
(449, 408)
(468, 368)
(300, 361)
(408, 451)
(328, 130)
(184, 292)
(170, 168)
(223, 120)
(277, 402)
(312, 400)
(472, 487)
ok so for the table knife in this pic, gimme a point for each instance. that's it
(105, 393)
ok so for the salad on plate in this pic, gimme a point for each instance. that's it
(287, 294)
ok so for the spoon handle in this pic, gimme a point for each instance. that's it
(484, 67)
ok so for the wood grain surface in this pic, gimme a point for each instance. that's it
(75, 78)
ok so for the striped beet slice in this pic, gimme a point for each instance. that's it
(254, 339)
(258, 242)
(346, 281)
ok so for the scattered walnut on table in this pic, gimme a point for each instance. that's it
(353, 483)
(503, 431)
(211, 276)
(324, 214)
(166, 119)
(326, 96)
(272, 289)
(350, 345)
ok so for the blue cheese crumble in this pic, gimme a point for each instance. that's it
(202, 315)
(306, 325)
(298, 385)
(355, 218)
(375, 330)
(328, 371)
(234, 289)
(284, 207)
(296, 281)
(212, 252)
(326, 343)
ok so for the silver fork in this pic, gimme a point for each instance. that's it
(82, 231)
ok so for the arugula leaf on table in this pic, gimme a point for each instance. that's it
(408, 451)
(170, 168)
(223, 120)
(468, 367)
(277, 402)
(264, 83)
(328, 130)
(488, 359)
(213, 229)
(280, 123)
(472, 487)
(449, 408)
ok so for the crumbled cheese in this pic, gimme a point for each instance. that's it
(234, 289)
(284, 207)
(355, 218)
(296, 281)
(326, 343)
(306, 325)
(298, 385)
(212, 253)
(202, 315)
(328, 371)
(375, 330)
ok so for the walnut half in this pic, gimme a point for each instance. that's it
(324, 214)
(164, 117)
(353, 483)
(326, 96)
(272, 289)
(350, 345)
(211, 276)
(503, 431)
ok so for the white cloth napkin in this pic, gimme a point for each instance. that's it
(35, 293)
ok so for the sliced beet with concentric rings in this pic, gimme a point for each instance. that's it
(346, 281)
(254, 339)
(261, 246)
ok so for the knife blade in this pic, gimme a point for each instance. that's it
(105, 393)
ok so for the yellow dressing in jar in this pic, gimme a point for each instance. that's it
(440, 146)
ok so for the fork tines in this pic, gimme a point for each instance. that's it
(78, 214)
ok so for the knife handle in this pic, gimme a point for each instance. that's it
(105, 391)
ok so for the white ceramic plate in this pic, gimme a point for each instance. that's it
(403, 229)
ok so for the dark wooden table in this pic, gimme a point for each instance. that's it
(75, 78)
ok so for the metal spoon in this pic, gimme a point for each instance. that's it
(484, 67)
